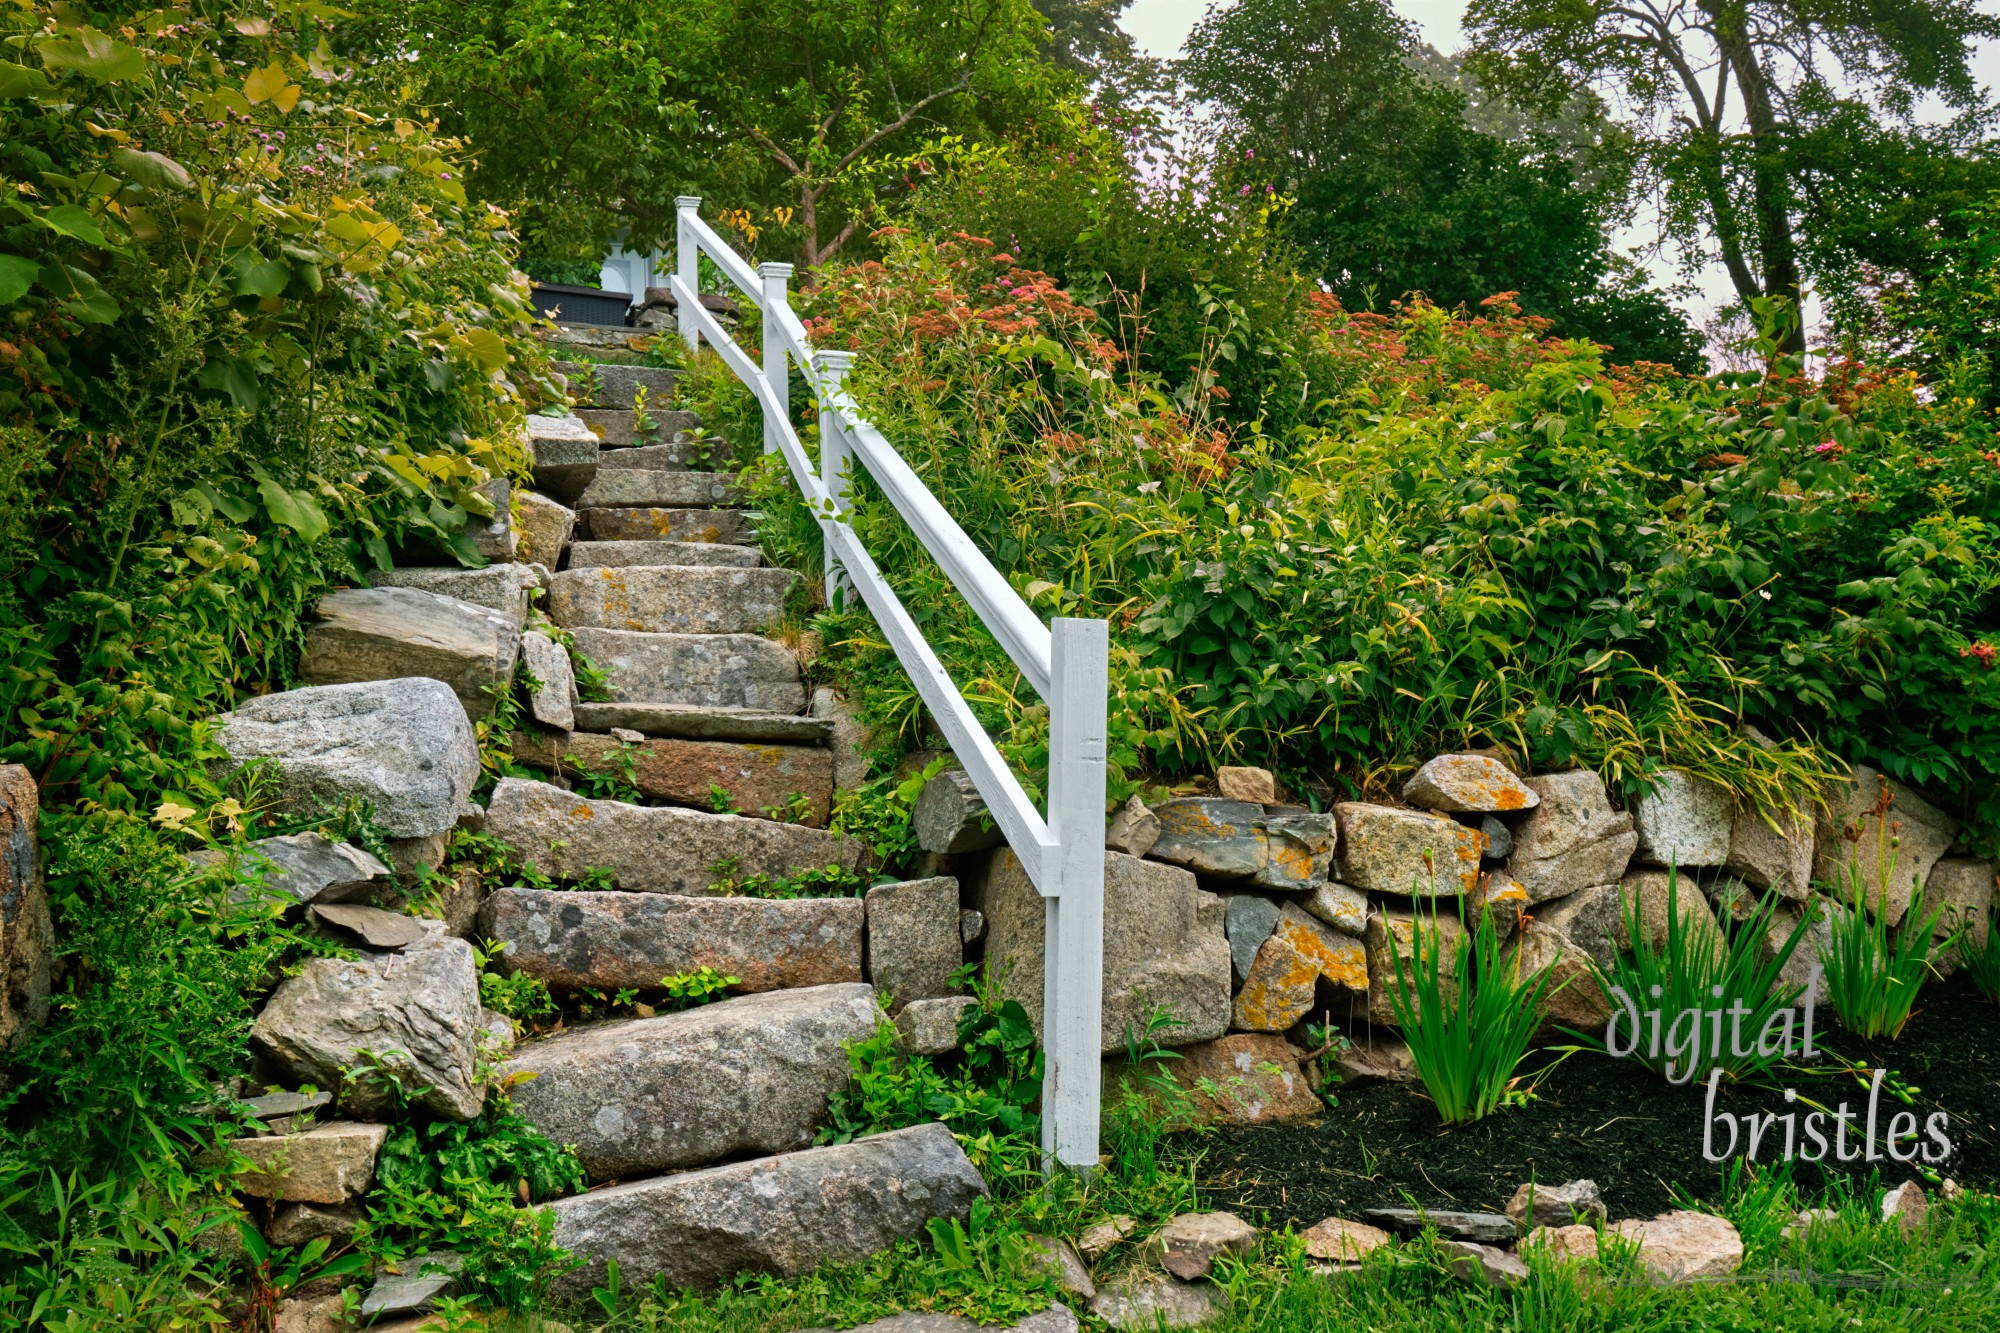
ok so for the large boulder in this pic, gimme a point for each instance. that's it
(913, 938)
(1164, 947)
(1772, 849)
(403, 746)
(1387, 850)
(415, 1014)
(754, 777)
(1468, 783)
(710, 670)
(670, 599)
(361, 634)
(502, 588)
(653, 849)
(1878, 831)
(746, 1075)
(783, 1215)
(27, 935)
(299, 868)
(1573, 839)
(1684, 821)
(609, 941)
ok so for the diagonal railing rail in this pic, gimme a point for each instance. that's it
(1065, 661)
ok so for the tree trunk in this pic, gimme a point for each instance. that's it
(1777, 251)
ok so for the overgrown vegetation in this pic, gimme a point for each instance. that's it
(1468, 1013)
(1874, 971)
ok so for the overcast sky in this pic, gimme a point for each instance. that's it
(1161, 26)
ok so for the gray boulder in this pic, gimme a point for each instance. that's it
(1142, 1304)
(1133, 830)
(546, 526)
(1684, 821)
(784, 1215)
(1960, 890)
(416, 1012)
(653, 849)
(1163, 947)
(607, 941)
(1886, 856)
(364, 634)
(300, 868)
(566, 455)
(1593, 919)
(1573, 839)
(1213, 836)
(403, 746)
(552, 702)
(708, 670)
(1468, 784)
(670, 599)
(1408, 852)
(502, 588)
(930, 1027)
(1772, 849)
(913, 939)
(744, 1075)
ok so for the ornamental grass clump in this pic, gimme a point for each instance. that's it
(1873, 973)
(1981, 957)
(1690, 996)
(1468, 1022)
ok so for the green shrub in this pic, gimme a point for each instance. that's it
(1468, 1021)
(1873, 973)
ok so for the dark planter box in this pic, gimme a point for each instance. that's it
(581, 305)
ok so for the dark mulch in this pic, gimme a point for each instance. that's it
(1611, 1121)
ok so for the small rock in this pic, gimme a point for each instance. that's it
(295, 1224)
(1803, 1224)
(1683, 821)
(1483, 1265)
(1536, 1205)
(1300, 850)
(971, 925)
(1383, 1057)
(1245, 1078)
(1345, 909)
(1101, 1238)
(545, 529)
(300, 867)
(412, 1285)
(1571, 994)
(1573, 839)
(1055, 1319)
(1278, 991)
(1681, 1246)
(331, 1164)
(1907, 1207)
(1248, 921)
(284, 1105)
(1062, 1264)
(1133, 830)
(318, 1314)
(1951, 1190)
(1189, 1245)
(376, 928)
(930, 1027)
(1256, 785)
(1575, 1241)
(1501, 897)
(913, 938)
(1470, 783)
(1212, 836)
(1146, 1304)
(951, 818)
(1486, 1228)
(1341, 960)
(552, 698)
(1408, 852)
(410, 857)
(1343, 1241)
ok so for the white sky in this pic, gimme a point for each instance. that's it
(1161, 26)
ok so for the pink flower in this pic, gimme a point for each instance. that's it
(1244, 191)
(1249, 155)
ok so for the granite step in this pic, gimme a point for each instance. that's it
(566, 456)
(663, 456)
(666, 524)
(616, 426)
(670, 599)
(694, 722)
(652, 488)
(620, 555)
(783, 781)
(705, 671)
(595, 384)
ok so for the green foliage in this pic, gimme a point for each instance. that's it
(1979, 953)
(1468, 1022)
(1873, 973)
(832, 882)
(685, 990)
(879, 812)
(522, 998)
(989, 1266)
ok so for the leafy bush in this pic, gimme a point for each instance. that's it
(1468, 1023)
(1873, 973)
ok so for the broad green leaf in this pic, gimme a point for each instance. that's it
(155, 171)
(22, 81)
(269, 84)
(232, 507)
(16, 276)
(292, 509)
(234, 377)
(73, 220)
(192, 508)
(93, 55)
(83, 300)
(486, 348)
(262, 279)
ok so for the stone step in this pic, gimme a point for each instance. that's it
(666, 456)
(706, 724)
(595, 384)
(502, 588)
(606, 941)
(616, 427)
(369, 634)
(754, 777)
(698, 670)
(618, 555)
(653, 849)
(670, 599)
(652, 488)
(745, 1075)
(680, 525)
(566, 455)
(785, 1215)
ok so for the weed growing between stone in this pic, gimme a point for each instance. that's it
(1980, 957)
(1873, 972)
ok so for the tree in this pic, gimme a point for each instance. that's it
(1730, 88)
(1394, 192)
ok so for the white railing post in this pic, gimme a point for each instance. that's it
(834, 451)
(777, 368)
(1073, 947)
(687, 263)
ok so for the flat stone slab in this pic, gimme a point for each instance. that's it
(566, 456)
(756, 777)
(670, 599)
(782, 1215)
(412, 1285)
(300, 867)
(653, 849)
(1485, 1228)
(376, 928)
(502, 588)
(598, 384)
(693, 722)
(330, 1164)
(745, 1075)
(666, 524)
(617, 427)
(615, 555)
(606, 941)
(363, 634)
(652, 488)
(701, 670)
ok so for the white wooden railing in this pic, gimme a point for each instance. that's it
(1065, 661)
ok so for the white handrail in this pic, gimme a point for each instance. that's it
(1066, 663)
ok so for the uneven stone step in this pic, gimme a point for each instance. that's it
(670, 455)
(363, 634)
(595, 384)
(783, 1215)
(652, 488)
(670, 599)
(745, 1075)
(617, 427)
(566, 455)
(502, 588)
(618, 555)
(701, 670)
(680, 525)
(688, 772)
(546, 526)
(606, 941)
(653, 849)
(707, 724)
